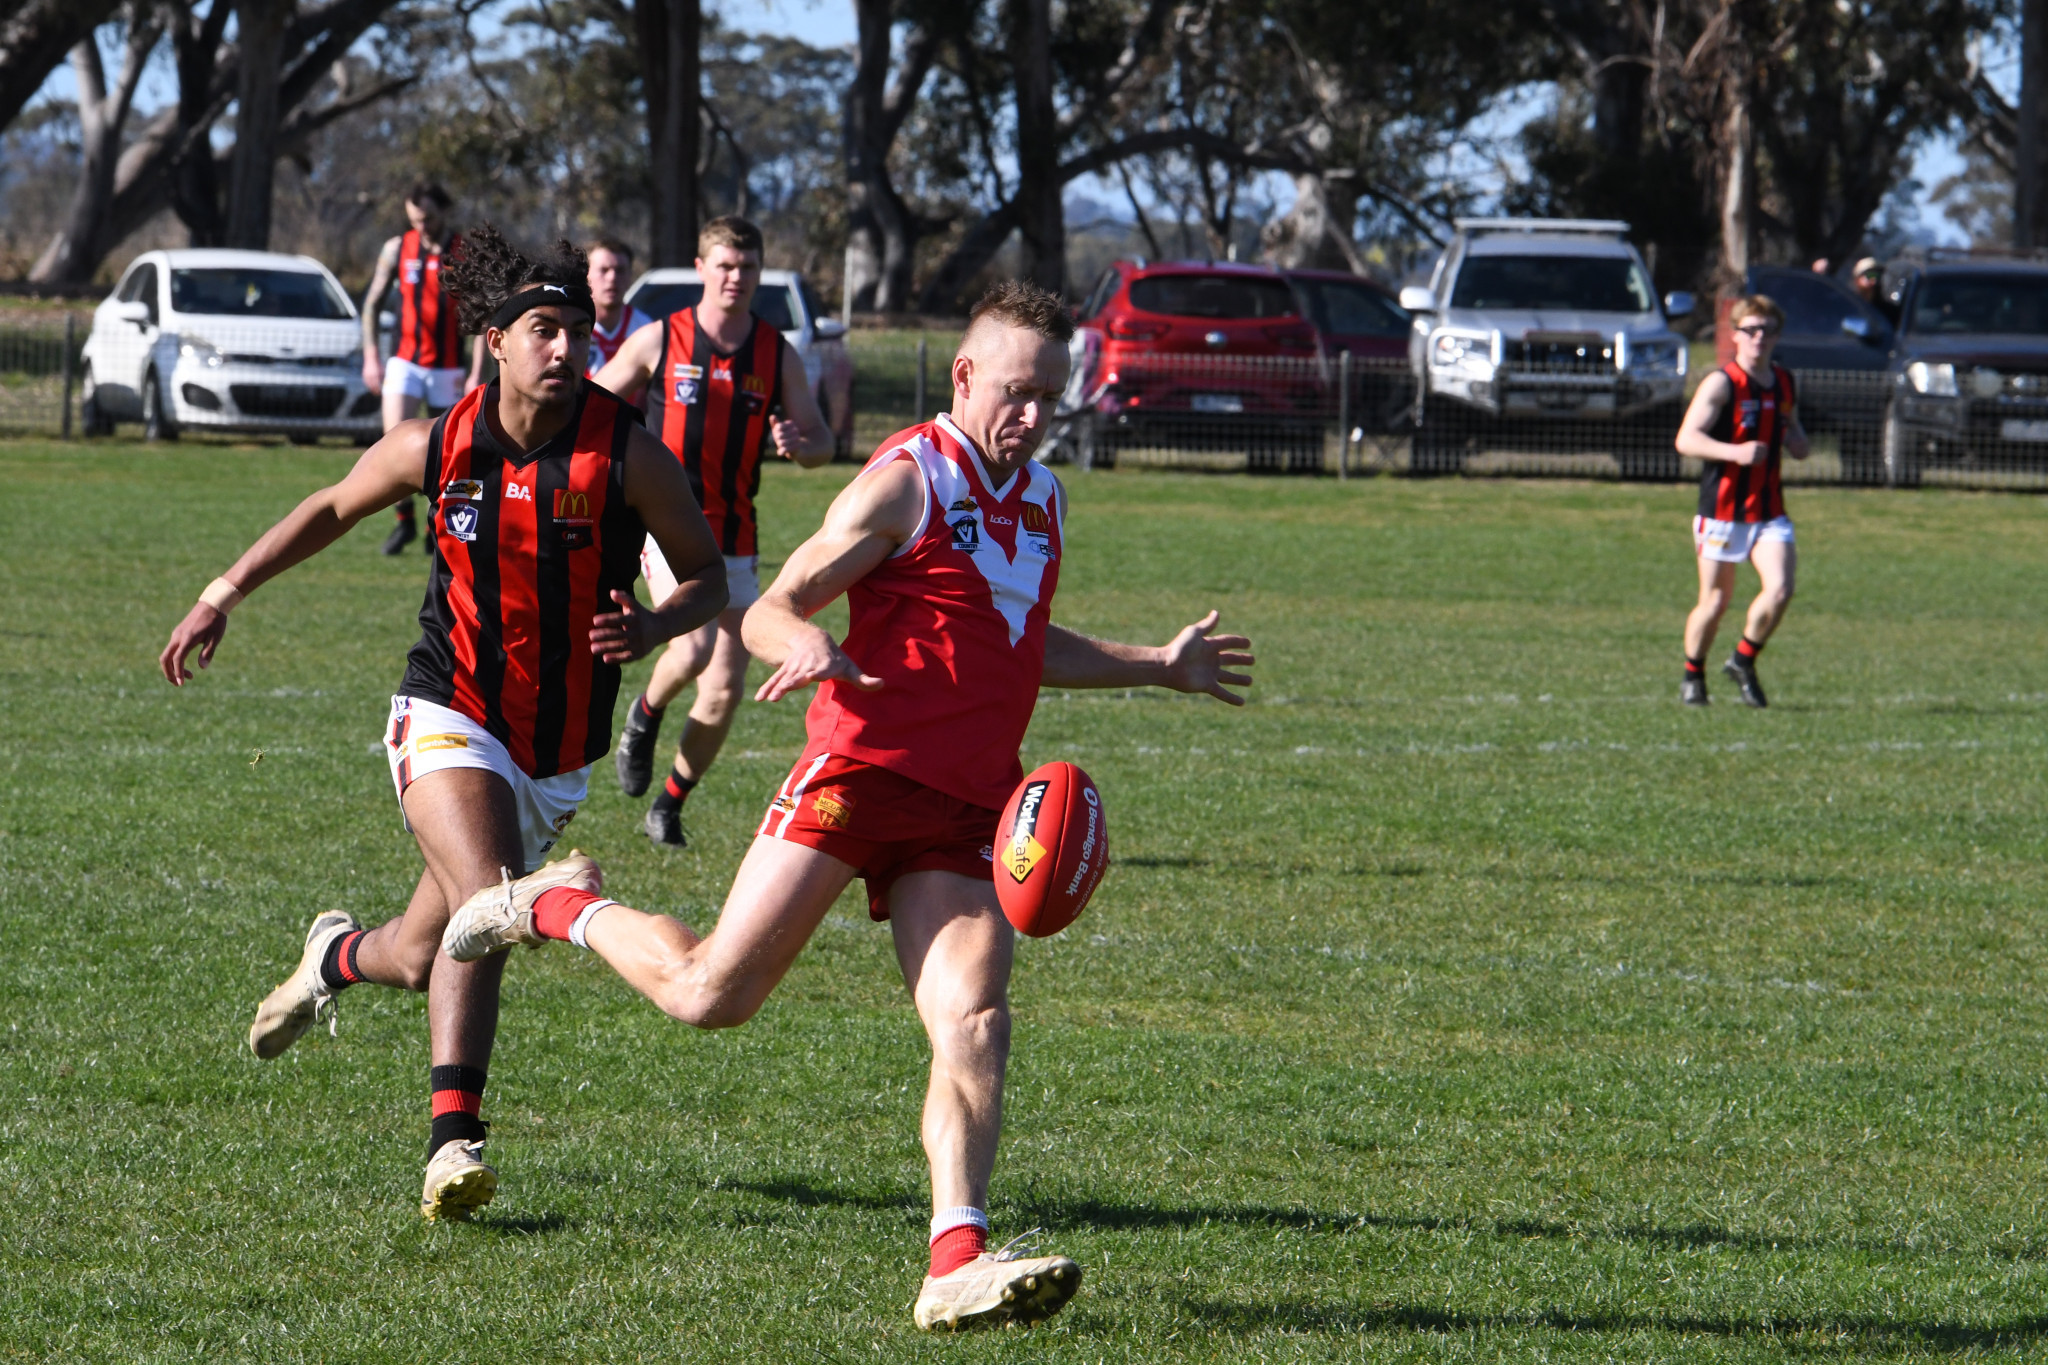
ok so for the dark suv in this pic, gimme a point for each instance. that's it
(1968, 374)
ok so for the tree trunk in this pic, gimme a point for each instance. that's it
(1041, 217)
(1737, 157)
(882, 230)
(191, 176)
(2030, 178)
(75, 253)
(1315, 234)
(34, 38)
(260, 38)
(670, 32)
(1618, 107)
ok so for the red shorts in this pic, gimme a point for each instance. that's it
(882, 823)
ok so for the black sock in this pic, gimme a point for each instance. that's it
(338, 968)
(458, 1096)
(650, 715)
(673, 792)
(1695, 669)
(404, 511)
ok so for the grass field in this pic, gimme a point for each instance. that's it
(1463, 998)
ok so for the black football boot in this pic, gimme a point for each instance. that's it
(637, 740)
(664, 825)
(1693, 692)
(1744, 673)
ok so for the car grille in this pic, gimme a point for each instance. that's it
(314, 361)
(1584, 353)
(288, 400)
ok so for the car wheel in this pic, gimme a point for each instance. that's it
(1901, 453)
(92, 419)
(157, 422)
(1437, 447)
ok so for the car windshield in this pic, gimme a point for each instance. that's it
(2008, 304)
(1577, 284)
(658, 300)
(1354, 309)
(1212, 296)
(256, 293)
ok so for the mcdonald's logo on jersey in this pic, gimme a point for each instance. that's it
(756, 383)
(572, 508)
(1037, 521)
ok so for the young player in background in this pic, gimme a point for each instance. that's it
(718, 380)
(948, 549)
(543, 489)
(1743, 418)
(611, 270)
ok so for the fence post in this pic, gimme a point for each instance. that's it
(1344, 413)
(922, 415)
(70, 340)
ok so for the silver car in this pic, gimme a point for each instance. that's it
(1542, 320)
(241, 341)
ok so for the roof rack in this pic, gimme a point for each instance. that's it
(1604, 227)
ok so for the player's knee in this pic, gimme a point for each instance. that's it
(971, 1031)
(708, 1004)
(416, 971)
(716, 703)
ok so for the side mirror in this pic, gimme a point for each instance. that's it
(829, 329)
(1858, 326)
(1678, 304)
(1418, 298)
(135, 311)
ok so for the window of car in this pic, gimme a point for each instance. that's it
(1213, 296)
(1813, 307)
(246, 291)
(1353, 309)
(772, 303)
(1099, 297)
(1986, 303)
(140, 287)
(1584, 284)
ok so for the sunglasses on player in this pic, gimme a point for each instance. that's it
(1759, 329)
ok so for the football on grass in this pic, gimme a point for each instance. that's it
(1051, 849)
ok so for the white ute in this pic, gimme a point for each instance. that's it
(242, 341)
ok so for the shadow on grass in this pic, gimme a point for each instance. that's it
(1332, 1319)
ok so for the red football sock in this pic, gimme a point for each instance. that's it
(957, 1246)
(1748, 648)
(556, 908)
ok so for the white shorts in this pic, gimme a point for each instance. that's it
(424, 737)
(441, 388)
(742, 577)
(1729, 542)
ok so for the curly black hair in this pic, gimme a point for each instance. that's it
(487, 270)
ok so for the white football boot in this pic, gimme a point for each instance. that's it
(997, 1288)
(458, 1183)
(499, 916)
(292, 1008)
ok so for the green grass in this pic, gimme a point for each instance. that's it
(1463, 998)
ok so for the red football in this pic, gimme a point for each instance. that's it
(1051, 849)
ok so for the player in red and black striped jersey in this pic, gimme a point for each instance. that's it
(1743, 420)
(721, 386)
(544, 489)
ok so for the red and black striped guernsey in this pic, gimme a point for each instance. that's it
(527, 549)
(712, 411)
(428, 333)
(1754, 492)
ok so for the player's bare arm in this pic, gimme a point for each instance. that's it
(1193, 661)
(1695, 432)
(1795, 436)
(869, 521)
(659, 491)
(380, 282)
(631, 369)
(803, 436)
(387, 471)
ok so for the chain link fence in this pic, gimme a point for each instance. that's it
(1341, 416)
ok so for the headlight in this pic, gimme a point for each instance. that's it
(1938, 381)
(1657, 357)
(1452, 351)
(200, 350)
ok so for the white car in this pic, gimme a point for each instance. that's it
(785, 302)
(243, 341)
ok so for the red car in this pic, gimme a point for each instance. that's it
(1229, 355)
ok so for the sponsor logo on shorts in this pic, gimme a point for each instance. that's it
(562, 821)
(427, 744)
(460, 520)
(834, 808)
(988, 853)
(781, 805)
(463, 490)
(1023, 851)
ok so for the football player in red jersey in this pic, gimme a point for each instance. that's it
(611, 270)
(715, 377)
(543, 489)
(1744, 417)
(425, 368)
(947, 547)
